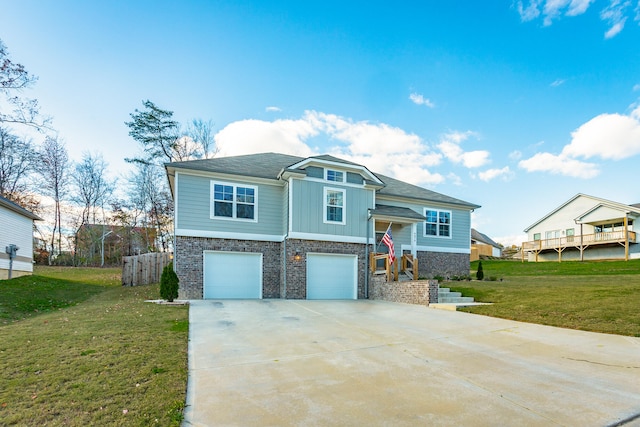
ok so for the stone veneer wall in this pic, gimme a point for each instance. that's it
(296, 286)
(421, 292)
(189, 263)
(444, 264)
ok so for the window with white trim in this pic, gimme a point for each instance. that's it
(438, 223)
(334, 175)
(233, 201)
(334, 205)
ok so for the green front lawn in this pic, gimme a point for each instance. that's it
(591, 296)
(78, 349)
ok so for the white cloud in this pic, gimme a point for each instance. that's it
(636, 87)
(557, 82)
(450, 147)
(515, 155)
(421, 100)
(382, 148)
(505, 173)
(614, 15)
(272, 109)
(454, 179)
(530, 12)
(608, 136)
(257, 136)
(559, 165)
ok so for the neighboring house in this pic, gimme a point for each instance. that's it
(116, 241)
(483, 245)
(584, 227)
(16, 228)
(278, 226)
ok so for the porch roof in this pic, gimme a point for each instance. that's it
(396, 214)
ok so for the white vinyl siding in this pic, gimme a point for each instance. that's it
(16, 229)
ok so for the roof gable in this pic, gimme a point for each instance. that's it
(597, 201)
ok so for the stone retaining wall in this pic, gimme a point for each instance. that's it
(420, 292)
(445, 264)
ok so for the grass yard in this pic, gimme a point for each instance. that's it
(593, 296)
(78, 349)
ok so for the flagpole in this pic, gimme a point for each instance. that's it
(388, 228)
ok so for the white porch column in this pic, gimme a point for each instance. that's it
(414, 240)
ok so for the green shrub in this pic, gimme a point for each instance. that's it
(438, 278)
(169, 283)
(480, 273)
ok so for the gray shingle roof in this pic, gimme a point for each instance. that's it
(395, 187)
(263, 165)
(269, 165)
(397, 211)
(483, 238)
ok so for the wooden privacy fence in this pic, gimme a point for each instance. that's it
(144, 269)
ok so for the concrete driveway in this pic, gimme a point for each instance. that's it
(352, 363)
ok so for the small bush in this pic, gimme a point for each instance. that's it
(480, 273)
(169, 283)
(493, 279)
(439, 278)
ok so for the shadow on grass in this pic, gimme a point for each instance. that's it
(29, 296)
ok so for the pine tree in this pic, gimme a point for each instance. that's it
(169, 283)
(480, 273)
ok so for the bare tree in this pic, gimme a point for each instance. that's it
(54, 168)
(16, 160)
(92, 187)
(201, 134)
(149, 195)
(13, 79)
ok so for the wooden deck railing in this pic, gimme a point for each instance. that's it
(408, 263)
(577, 241)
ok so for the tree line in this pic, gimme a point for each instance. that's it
(86, 210)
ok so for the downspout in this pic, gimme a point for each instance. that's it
(366, 272)
(284, 243)
(284, 267)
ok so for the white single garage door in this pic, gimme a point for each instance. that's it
(331, 276)
(232, 275)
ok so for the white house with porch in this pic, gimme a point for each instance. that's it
(584, 228)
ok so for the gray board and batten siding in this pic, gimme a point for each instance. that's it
(193, 209)
(308, 209)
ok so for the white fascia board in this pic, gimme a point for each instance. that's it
(231, 177)
(184, 232)
(437, 249)
(328, 237)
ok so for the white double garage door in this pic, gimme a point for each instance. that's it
(238, 275)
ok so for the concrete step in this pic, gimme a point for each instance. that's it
(449, 294)
(444, 289)
(449, 300)
(455, 306)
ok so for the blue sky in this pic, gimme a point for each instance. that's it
(512, 105)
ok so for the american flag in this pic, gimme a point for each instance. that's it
(388, 241)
